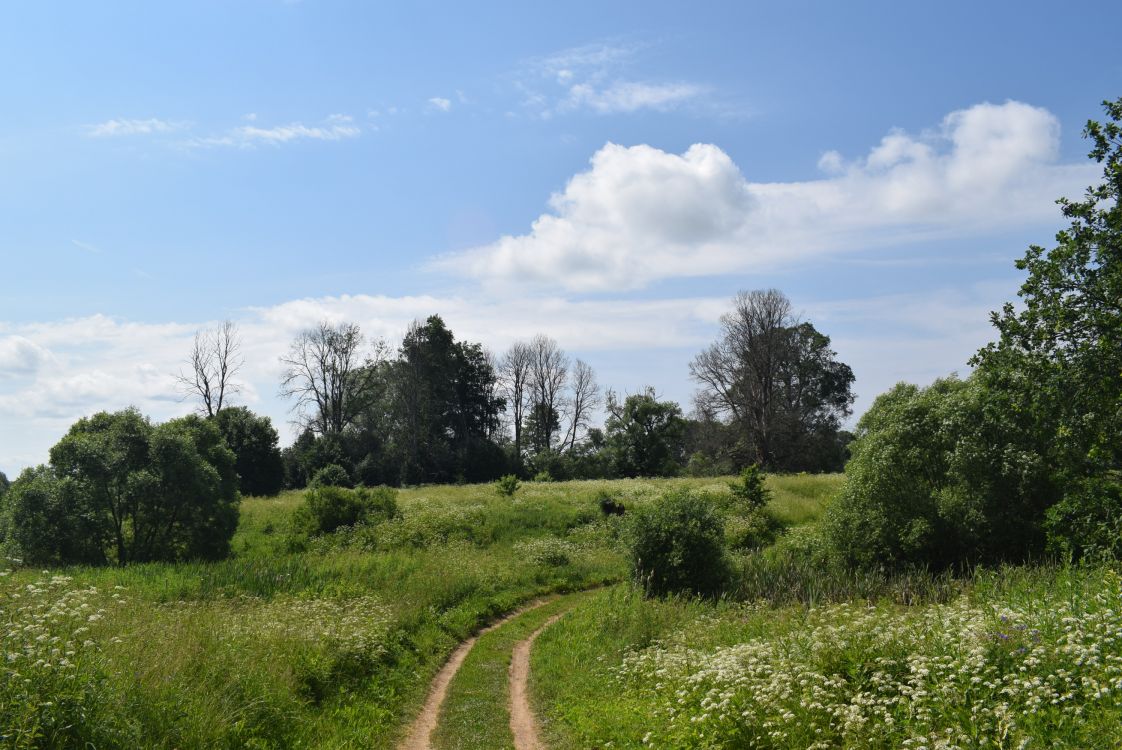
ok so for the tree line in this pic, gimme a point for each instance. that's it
(120, 489)
(441, 410)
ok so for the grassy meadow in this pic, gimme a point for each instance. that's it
(331, 642)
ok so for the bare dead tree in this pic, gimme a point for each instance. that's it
(549, 369)
(330, 372)
(214, 361)
(514, 377)
(583, 399)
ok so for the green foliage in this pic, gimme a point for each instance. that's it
(749, 490)
(121, 490)
(645, 436)
(1087, 522)
(543, 476)
(332, 475)
(1058, 362)
(678, 546)
(752, 530)
(939, 476)
(329, 507)
(257, 459)
(507, 485)
(44, 521)
(4, 484)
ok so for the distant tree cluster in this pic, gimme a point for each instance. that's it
(442, 410)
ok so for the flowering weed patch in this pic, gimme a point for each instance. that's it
(1033, 665)
(49, 670)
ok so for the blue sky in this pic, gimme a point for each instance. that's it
(610, 174)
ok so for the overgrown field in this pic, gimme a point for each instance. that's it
(331, 642)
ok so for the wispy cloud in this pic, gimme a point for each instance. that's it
(335, 127)
(629, 96)
(123, 127)
(599, 78)
(85, 246)
(441, 104)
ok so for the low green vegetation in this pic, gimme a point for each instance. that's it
(331, 645)
(1015, 658)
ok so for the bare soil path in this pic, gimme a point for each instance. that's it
(523, 724)
(420, 733)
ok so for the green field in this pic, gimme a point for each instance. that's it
(333, 642)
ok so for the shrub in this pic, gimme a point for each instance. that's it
(543, 476)
(753, 530)
(750, 492)
(332, 475)
(327, 508)
(507, 485)
(677, 545)
(609, 506)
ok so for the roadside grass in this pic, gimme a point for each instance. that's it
(1021, 657)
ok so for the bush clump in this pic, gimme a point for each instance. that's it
(507, 485)
(327, 508)
(332, 475)
(608, 504)
(749, 491)
(677, 546)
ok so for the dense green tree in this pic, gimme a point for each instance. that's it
(444, 405)
(4, 483)
(129, 491)
(645, 436)
(44, 521)
(257, 459)
(940, 475)
(1058, 361)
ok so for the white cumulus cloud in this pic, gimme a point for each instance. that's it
(440, 103)
(640, 214)
(21, 356)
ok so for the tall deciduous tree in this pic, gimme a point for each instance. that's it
(549, 371)
(214, 362)
(515, 370)
(774, 378)
(328, 370)
(645, 436)
(1057, 365)
(584, 398)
